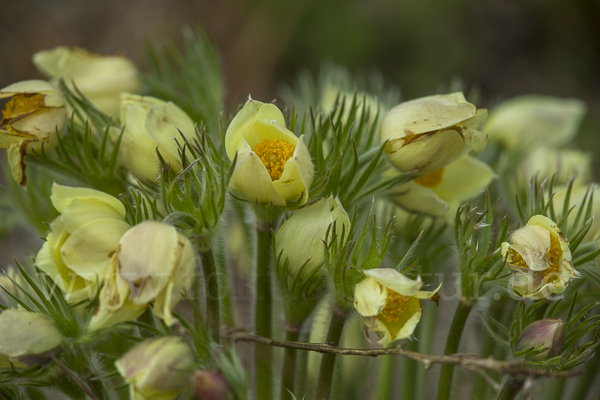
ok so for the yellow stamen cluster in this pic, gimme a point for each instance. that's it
(517, 260)
(274, 153)
(395, 306)
(431, 180)
(22, 104)
(554, 258)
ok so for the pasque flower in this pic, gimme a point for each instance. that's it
(153, 263)
(300, 240)
(440, 193)
(548, 335)
(428, 133)
(99, 77)
(273, 165)
(157, 369)
(32, 117)
(390, 303)
(539, 256)
(151, 124)
(79, 248)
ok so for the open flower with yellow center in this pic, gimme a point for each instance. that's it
(539, 256)
(78, 251)
(428, 133)
(441, 192)
(32, 117)
(101, 78)
(273, 165)
(390, 303)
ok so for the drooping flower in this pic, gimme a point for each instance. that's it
(153, 263)
(428, 133)
(300, 238)
(101, 78)
(441, 192)
(78, 250)
(151, 124)
(273, 165)
(539, 256)
(390, 303)
(32, 117)
(534, 119)
(157, 369)
(547, 335)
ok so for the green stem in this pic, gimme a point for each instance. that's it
(487, 349)
(385, 377)
(225, 290)
(426, 331)
(213, 295)
(263, 355)
(557, 388)
(289, 363)
(510, 389)
(410, 373)
(456, 329)
(334, 335)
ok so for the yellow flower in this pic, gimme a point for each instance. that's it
(33, 117)
(440, 193)
(539, 256)
(150, 123)
(153, 263)
(300, 240)
(578, 192)
(533, 119)
(558, 164)
(390, 303)
(428, 133)
(79, 249)
(273, 165)
(100, 78)
(24, 335)
(157, 369)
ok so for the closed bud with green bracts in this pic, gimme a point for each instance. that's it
(211, 385)
(546, 335)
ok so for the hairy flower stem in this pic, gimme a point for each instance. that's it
(263, 355)
(487, 350)
(456, 329)
(213, 294)
(334, 335)
(510, 389)
(224, 289)
(289, 363)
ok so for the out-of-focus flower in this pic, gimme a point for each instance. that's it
(157, 369)
(577, 197)
(149, 124)
(211, 385)
(428, 133)
(153, 263)
(99, 77)
(539, 256)
(532, 119)
(25, 335)
(300, 240)
(440, 193)
(560, 164)
(365, 102)
(78, 251)
(32, 117)
(390, 303)
(547, 334)
(273, 165)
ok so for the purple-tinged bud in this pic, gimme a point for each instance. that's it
(549, 334)
(211, 385)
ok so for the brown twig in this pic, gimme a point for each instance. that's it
(467, 361)
(73, 377)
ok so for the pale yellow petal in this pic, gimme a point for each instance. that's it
(252, 180)
(395, 281)
(369, 297)
(62, 196)
(420, 199)
(166, 123)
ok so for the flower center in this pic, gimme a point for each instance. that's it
(22, 104)
(274, 153)
(431, 180)
(395, 306)
(554, 254)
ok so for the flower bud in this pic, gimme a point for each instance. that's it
(32, 117)
(211, 385)
(157, 368)
(150, 123)
(100, 78)
(153, 263)
(427, 134)
(547, 334)
(25, 335)
(300, 240)
(532, 119)
(273, 165)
